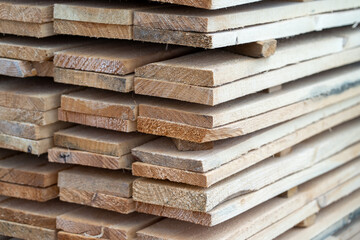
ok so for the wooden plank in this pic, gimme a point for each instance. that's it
(253, 84)
(252, 221)
(307, 222)
(114, 57)
(35, 147)
(38, 30)
(242, 127)
(29, 192)
(98, 200)
(97, 121)
(252, 179)
(349, 231)
(217, 67)
(199, 20)
(326, 218)
(70, 236)
(38, 94)
(103, 224)
(28, 116)
(255, 33)
(257, 49)
(36, 11)
(289, 193)
(24, 231)
(89, 29)
(36, 50)
(182, 145)
(32, 213)
(29, 170)
(208, 4)
(29, 130)
(100, 181)
(22, 69)
(99, 141)
(248, 201)
(65, 155)
(248, 106)
(236, 154)
(96, 80)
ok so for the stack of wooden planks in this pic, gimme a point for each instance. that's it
(253, 134)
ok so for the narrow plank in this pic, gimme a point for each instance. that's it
(99, 141)
(102, 181)
(67, 156)
(252, 221)
(257, 49)
(38, 30)
(37, 94)
(28, 116)
(98, 200)
(70, 236)
(241, 204)
(182, 145)
(32, 213)
(255, 33)
(22, 69)
(29, 130)
(103, 224)
(237, 148)
(252, 84)
(252, 179)
(29, 170)
(24, 231)
(29, 192)
(90, 29)
(242, 127)
(208, 4)
(199, 20)
(97, 121)
(248, 106)
(114, 57)
(35, 147)
(96, 80)
(36, 50)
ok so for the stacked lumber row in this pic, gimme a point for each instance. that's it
(241, 24)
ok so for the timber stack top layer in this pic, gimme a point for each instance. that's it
(179, 119)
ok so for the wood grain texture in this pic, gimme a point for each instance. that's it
(97, 121)
(182, 145)
(208, 4)
(99, 141)
(255, 33)
(36, 50)
(67, 156)
(257, 49)
(24, 231)
(37, 94)
(70, 236)
(22, 69)
(89, 29)
(103, 224)
(96, 80)
(35, 147)
(28, 116)
(114, 57)
(198, 20)
(29, 170)
(38, 30)
(227, 92)
(98, 200)
(33, 213)
(244, 161)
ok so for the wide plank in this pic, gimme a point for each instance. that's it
(29, 116)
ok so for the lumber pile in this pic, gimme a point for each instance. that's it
(211, 119)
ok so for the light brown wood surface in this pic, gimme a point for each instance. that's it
(96, 80)
(28, 116)
(182, 145)
(22, 69)
(114, 57)
(208, 4)
(35, 147)
(257, 49)
(70, 236)
(23, 231)
(38, 30)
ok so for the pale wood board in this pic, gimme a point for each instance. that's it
(35, 147)
(34, 213)
(227, 92)
(38, 30)
(348, 232)
(29, 116)
(67, 156)
(252, 179)
(97, 121)
(165, 154)
(37, 94)
(96, 80)
(208, 4)
(255, 33)
(245, 126)
(89, 222)
(36, 50)
(97, 200)
(199, 20)
(99, 141)
(115, 57)
(30, 170)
